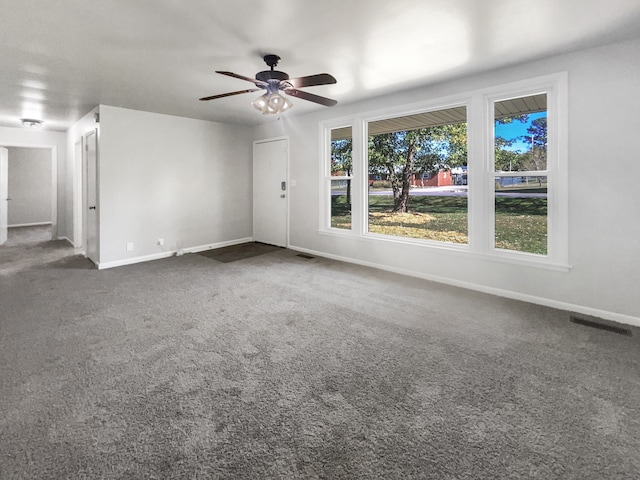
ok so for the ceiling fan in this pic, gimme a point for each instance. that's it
(275, 82)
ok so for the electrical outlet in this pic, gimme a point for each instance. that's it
(129, 246)
(161, 241)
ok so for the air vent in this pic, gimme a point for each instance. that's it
(600, 326)
(304, 255)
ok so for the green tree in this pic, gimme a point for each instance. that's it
(536, 158)
(538, 129)
(400, 155)
(506, 160)
(342, 160)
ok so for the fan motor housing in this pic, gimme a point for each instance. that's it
(267, 75)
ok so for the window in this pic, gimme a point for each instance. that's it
(520, 164)
(412, 189)
(483, 173)
(341, 172)
(527, 171)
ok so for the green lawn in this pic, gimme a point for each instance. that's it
(521, 223)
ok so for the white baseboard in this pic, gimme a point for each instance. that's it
(131, 261)
(37, 224)
(211, 246)
(158, 256)
(547, 302)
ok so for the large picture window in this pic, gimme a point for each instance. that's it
(417, 176)
(482, 173)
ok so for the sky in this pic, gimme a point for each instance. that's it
(516, 129)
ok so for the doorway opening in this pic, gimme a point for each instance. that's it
(30, 195)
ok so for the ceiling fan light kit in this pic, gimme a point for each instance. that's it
(31, 123)
(274, 82)
(272, 103)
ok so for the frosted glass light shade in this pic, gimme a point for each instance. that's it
(261, 103)
(271, 103)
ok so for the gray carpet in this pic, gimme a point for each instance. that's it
(18, 257)
(25, 235)
(276, 366)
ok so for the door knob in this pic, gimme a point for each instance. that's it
(92, 208)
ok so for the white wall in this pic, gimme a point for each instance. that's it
(604, 204)
(22, 137)
(29, 186)
(186, 181)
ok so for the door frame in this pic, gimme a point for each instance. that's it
(4, 194)
(287, 179)
(78, 192)
(54, 179)
(84, 229)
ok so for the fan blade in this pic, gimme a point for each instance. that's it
(312, 80)
(252, 80)
(213, 97)
(311, 97)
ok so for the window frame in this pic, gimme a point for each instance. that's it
(480, 172)
(555, 88)
(432, 106)
(326, 177)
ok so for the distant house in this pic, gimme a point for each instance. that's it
(442, 178)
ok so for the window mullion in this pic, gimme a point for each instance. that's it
(358, 207)
(479, 195)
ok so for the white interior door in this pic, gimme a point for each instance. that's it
(91, 202)
(4, 194)
(270, 192)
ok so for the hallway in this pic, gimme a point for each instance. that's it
(32, 247)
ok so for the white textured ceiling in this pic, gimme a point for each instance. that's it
(60, 58)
